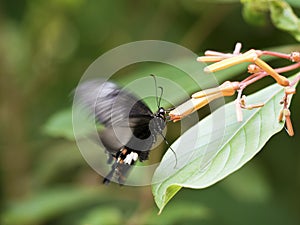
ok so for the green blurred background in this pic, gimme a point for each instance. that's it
(45, 48)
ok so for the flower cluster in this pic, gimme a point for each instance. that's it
(257, 70)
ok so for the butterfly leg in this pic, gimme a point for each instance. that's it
(124, 159)
(110, 158)
(109, 176)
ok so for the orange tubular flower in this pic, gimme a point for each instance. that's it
(234, 60)
(226, 89)
(202, 98)
(249, 56)
(288, 122)
(191, 106)
(283, 81)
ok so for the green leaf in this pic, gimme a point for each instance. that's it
(48, 204)
(102, 215)
(44, 172)
(255, 14)
(294, 3)
(282, 15)
(213, 149)
(60, 125)
(184, 212)
(284, 18)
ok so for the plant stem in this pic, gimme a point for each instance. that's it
(277, 54)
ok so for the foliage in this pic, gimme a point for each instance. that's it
(282, 15)
(46, 47)
(216, 152)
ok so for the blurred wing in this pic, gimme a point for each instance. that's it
(112, 105)
(125, 117)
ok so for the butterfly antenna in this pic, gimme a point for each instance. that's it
(166, 141)
(160, 96)
(156, 94)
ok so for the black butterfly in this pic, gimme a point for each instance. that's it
(131, 128)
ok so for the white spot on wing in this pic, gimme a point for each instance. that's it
(133, 156)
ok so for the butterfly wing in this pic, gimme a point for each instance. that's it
(110, 103)
(123, 114)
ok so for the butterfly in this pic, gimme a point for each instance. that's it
(131, 128)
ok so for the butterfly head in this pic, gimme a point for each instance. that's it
(161, 113)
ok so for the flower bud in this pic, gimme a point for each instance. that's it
(295, 57)
(290, 90)
(252, 68)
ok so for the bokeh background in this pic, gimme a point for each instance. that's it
(45, 48)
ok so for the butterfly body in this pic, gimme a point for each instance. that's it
(131, 128)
